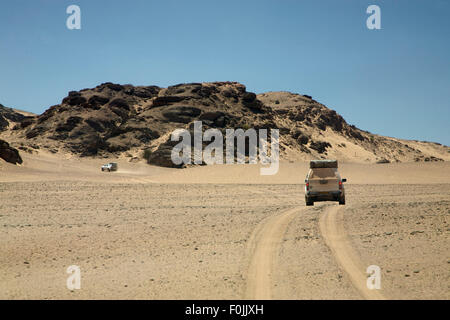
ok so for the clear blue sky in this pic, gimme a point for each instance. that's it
(394, 81)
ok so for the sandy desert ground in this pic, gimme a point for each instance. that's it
(221, 232)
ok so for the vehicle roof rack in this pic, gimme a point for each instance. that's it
(323, 164)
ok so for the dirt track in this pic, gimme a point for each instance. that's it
(265, 242)
(332, 229)
(264, 245)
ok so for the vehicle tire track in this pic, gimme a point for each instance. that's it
(263, 247)
(332, 229)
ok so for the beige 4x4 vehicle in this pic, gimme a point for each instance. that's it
(324, 183)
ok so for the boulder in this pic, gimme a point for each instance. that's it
(166, 100)
(9, 154)
(354, 133)
(183, 114)
(319, 146)
(36, 131)
(96, 100)
(141, 132)
(212, 115)
(229, 93)
(74, 94)
(27, 121)
(146, 92)
(205, 91)
(249, 100)
(162, 156)
(295, 133)
(248, 97)
(74, 100)
(302, 139)
(114, 86)
(90, 145)
(119, 103)
(70, 123)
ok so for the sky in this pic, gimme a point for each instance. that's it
(394, 81)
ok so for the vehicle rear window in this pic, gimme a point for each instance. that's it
(323, 173)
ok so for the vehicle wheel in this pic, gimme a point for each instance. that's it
(309, 202)
(109, 170)
(342, 201)
(103, 169)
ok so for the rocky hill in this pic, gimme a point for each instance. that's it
(130, 121)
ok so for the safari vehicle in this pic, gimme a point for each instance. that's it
(112, 166)
(324, 183)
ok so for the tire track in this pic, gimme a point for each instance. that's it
(332, 229)
(263, 247)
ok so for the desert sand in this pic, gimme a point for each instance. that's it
(220, 232)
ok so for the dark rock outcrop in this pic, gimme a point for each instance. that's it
(162, 156)
(319, 146)
(183, 114)
(166, 100)
(97, 100)
(9, 154)
(3, 123)
(9, 115)
(74, 98)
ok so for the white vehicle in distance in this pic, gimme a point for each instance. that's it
(112, 166)
(324, 183)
